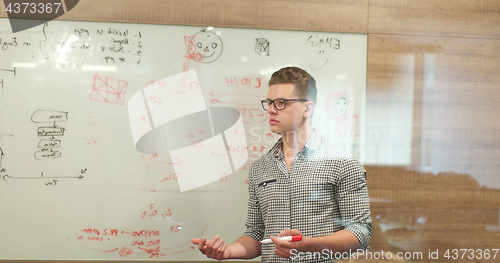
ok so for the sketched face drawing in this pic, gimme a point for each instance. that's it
(316, 52)
(208, 45)
(341, 106)
(318, 59)
(319, 49)
(338, 104)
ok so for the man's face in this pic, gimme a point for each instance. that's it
(291, 117)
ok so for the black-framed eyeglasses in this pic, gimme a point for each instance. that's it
(279, 104)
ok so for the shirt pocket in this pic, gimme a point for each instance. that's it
(267, 194)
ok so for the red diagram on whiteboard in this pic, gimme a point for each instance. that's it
(108, 89)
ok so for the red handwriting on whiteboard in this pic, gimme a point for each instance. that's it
(91, 117)
(246, 166)
(90, 141)
(153, 99)
(251, 149)
(195, 86)
(151, 156)
(125, 252)
(146, 189)
(224, 176)
(146, 233)
(153, 213)
(240, 132)
(253, 115)
(148, 243)
(153, 252)
(170, 177)
(142, 241)
(152, 83)
(192, 135)
(96, 235)
(105, 232)
(224, 155)
(197, 144)
(243, 82)
(174, 229)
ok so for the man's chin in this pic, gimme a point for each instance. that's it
(277, 131)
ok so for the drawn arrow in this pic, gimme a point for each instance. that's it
(179, 163)
(235, 103)
(42, 177)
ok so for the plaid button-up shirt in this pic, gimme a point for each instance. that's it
(325, 191)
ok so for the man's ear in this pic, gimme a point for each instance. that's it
(309, 107)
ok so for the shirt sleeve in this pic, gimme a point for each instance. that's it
(254, 223)
(354, 202)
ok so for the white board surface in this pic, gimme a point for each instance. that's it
(73, 184)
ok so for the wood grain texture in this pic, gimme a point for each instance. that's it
(418, 211)
(450, 87)
(451, 84)
(459, 18)
(311, 15)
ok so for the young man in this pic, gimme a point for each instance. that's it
(304, 185)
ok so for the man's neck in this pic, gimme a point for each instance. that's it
(294, 141)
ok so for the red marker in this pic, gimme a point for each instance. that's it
(287, 238)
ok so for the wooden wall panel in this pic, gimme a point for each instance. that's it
(460, 18)
(454, 81)
(311, 15)
(447, 195)
(417, 211)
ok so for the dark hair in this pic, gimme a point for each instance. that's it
(305, 85)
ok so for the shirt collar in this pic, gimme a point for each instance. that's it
(312, 144)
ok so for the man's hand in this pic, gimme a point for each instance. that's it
(340, 241)
(215, 248)
(282, 248)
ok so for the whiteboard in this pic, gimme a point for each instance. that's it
(74, 185)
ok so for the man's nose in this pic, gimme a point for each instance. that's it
(272, 109)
